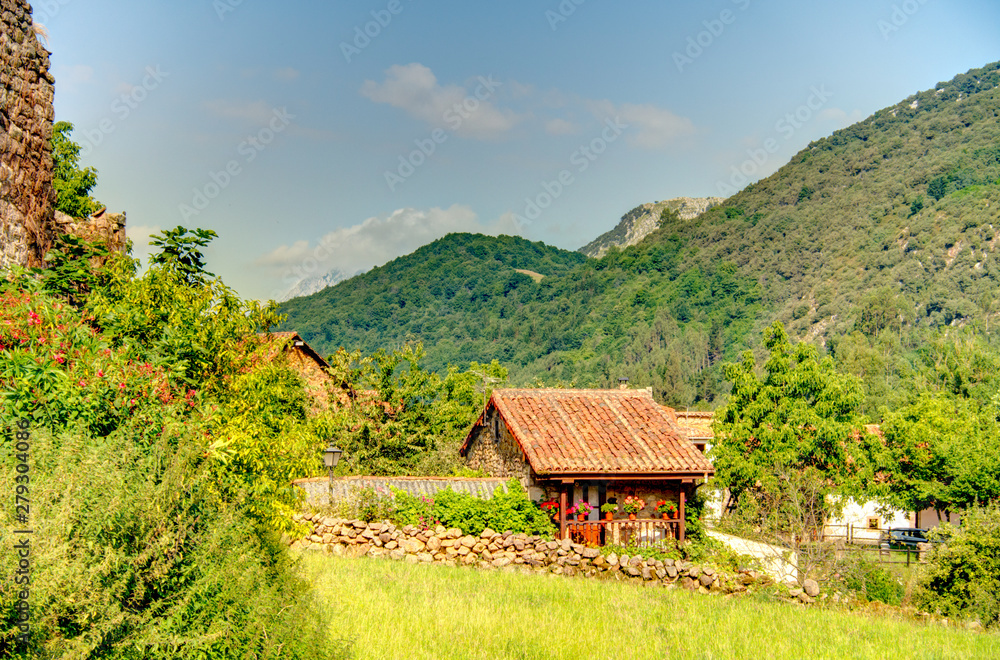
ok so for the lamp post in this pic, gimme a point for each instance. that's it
(331, 456)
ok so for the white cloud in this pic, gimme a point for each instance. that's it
(286, 74)
(375, 241)
(468, 112)
(650, 127)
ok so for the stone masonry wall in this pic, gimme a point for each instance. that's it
(500, 456)
(509, 551)
(27, 198)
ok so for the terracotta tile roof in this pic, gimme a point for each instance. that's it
(695, 424)
(595, 431)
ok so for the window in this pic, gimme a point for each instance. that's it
(874, 522)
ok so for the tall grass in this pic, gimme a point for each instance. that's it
(394, 610)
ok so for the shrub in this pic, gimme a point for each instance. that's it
(504, 511)
(870, 581)
(963, 575)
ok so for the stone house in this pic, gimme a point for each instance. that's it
(596, 446)
(306, 362)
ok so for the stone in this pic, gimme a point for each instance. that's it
(454, 533)
(795, 593)
(708, 570)
(706, 581)
(591, 553)
(500, 562)
(397, 554)
(647, 573)
(412, 546)
(612, 560)
(811, 587)
(425, 557)
(433, 544)
(411, 559)
(469, 541)
(633, 571)
(600, 561)
(487, 534)
(689, 584)
(671, 572)
(376, 553)
(805, 598)
(391, 545)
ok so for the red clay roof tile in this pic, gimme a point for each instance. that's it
(600, 431)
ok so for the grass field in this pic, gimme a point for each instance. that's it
(389, 610)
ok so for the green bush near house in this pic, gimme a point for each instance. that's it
(963, 575)
(511, 510)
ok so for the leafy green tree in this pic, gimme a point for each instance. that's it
(69, 268)
(800, 414)
(937, 187)
(962, 578)
(72, 184)
(944, 449)
(180, 250)
(398, 418)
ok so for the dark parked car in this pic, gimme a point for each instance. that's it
(904, 538)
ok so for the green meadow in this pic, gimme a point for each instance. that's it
(385, 610)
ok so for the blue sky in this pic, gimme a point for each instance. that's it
(319, 135)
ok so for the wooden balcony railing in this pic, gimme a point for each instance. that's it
(640, 533)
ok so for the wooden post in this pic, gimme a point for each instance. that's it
(681, 514)
(562, 512)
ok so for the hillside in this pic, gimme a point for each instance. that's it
(883, 231)
(440, 294)
(643, 220)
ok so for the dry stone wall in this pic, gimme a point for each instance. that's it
(509, 551)
(27, 198)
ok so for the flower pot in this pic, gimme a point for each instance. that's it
(631, 516)
(608, 515)
(666, 516)
(581, 517)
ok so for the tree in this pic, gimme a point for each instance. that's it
(801, 414)
(945, 451)
(180, 251)
(72, 184)
(69, 271)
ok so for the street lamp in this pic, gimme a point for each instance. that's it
(331, 456)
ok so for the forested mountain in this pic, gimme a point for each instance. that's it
(868, 241)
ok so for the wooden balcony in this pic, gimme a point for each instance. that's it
(640, 533)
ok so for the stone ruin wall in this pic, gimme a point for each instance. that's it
(27, 199)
